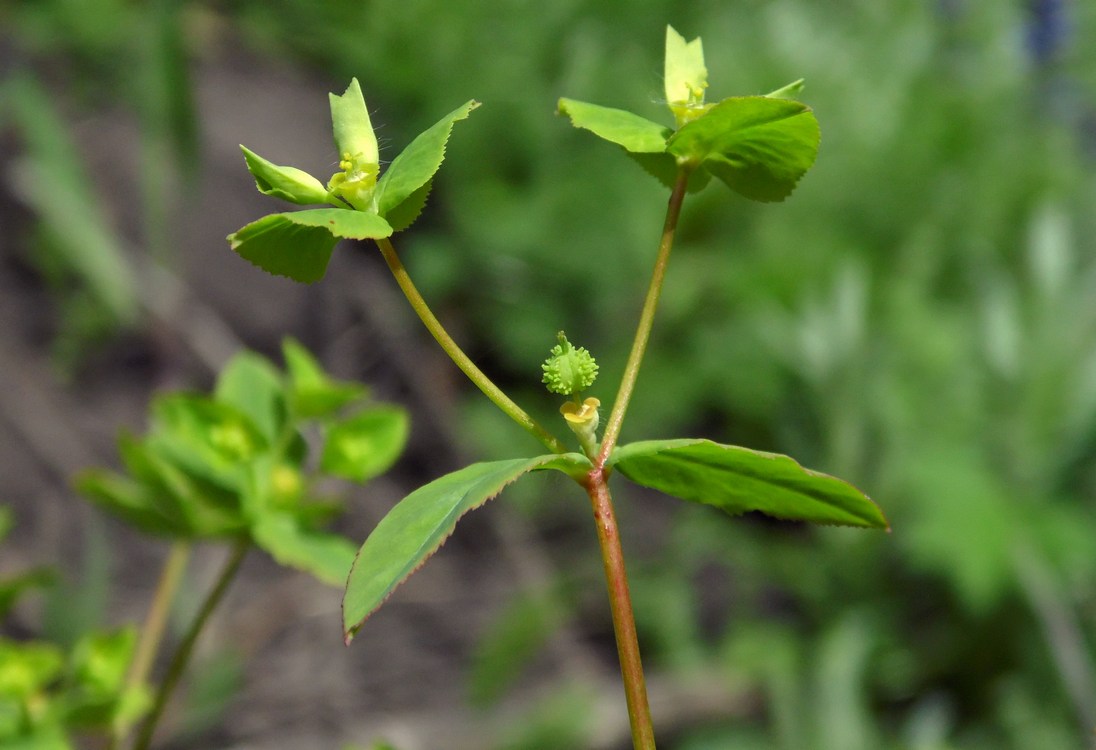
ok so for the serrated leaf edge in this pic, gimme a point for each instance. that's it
(533, 464)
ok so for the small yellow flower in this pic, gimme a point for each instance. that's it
(583, 420)
(356, 181)
(581, 416)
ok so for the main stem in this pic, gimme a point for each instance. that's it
(182, 653)
(462, 360)
(646, 321)
(620, 602)
(596, 486)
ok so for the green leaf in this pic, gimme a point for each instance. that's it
(299, 244)
(97, 697)
(686, 77)
(353, 130)
(418, 163)
(192, 507)
(311, 392)
(166, 96)
(366, 444)
(636, 134)
(404, 215)
(26, 668)
(132, 704)
(251, 384)
(208, 439)
(130, 501)
(738, 480)
(13, 587)
(100, 661)
(52, 181)
(516, 636)
(288, 183)
(663, 167)
(326, 556)
(788, 91)
(757, 145)
(420, 523)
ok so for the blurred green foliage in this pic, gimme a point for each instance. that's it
(920, 318)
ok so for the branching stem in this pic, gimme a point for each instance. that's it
(152, 631)
(596, 486)
(462, 360)
(646, 321)
(181, 657)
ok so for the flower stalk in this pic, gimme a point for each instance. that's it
(181, 657)
(646, 321)
(460, 359)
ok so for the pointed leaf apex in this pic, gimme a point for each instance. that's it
(288, 183)
(686, 76)
(789, 91)
(353, 130)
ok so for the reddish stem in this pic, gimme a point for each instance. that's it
(620, 602)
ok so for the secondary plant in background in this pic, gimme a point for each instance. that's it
(241, 466)
(759, 146)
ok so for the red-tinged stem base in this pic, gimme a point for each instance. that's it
(620, 601)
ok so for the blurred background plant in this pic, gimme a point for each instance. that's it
(237, 466)
(918, 318)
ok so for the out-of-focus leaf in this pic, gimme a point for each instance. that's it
(209, 439)
(193, 507)
(566, 718)
(13, 587)
(26, 668)
(168, 109)
(365, 445)
(100, 661)
(251, 384)
(514, 638)
(51, 180)
(326, 556)
(964, 527)
(130, 501)
(96, 684)
(48, 736)
(311, 392)
(840, 703)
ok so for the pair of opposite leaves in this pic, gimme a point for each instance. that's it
(759, 146)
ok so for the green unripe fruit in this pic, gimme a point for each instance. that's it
(569, 370)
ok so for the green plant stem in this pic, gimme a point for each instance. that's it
(646, 321)
(182, 653)
(462, 360)
(152, 631)
(620, 602)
